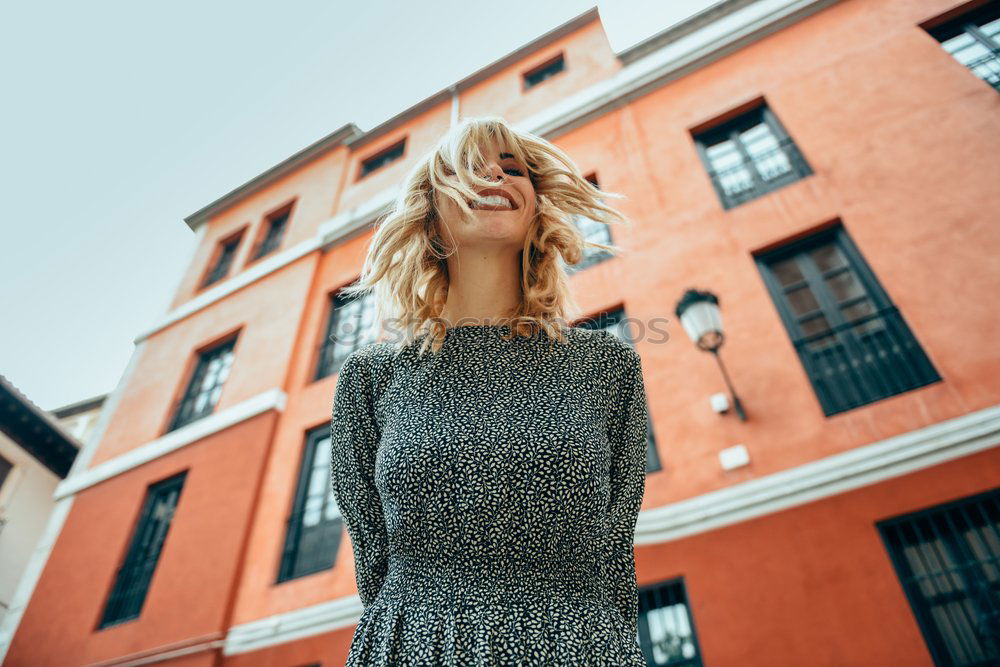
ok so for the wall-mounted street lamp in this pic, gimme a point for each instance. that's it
(699, 315)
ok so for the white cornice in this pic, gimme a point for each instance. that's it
(230, 285)
(675, 59)
(272, 399)
(297, 624)
(858, 467)
(863, 466)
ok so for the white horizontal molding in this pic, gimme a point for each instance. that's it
(347, 222)
(231, 285)
(292, 625)
(858, 467)
(272, 399)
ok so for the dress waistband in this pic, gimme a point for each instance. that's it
(499, 580)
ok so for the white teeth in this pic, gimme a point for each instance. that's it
(492, 200)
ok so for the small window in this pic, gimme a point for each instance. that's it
(614, 322)
(382, 158)
(136, 572)
(313, 531)
(544, 71)
(205, 386)
(973, 39)
(946, 560)
(351, 326)
(223, 260)
(666, 626)
(593, 230)
(852, 340)
(749, 156)
(272, 237)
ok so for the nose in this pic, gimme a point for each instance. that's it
(494, 172)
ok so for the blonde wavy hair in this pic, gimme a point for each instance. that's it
(406, 263)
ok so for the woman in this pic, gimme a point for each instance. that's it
(490, 464)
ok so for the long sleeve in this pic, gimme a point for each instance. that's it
(627, 436)
(354, 438)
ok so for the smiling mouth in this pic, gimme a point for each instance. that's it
(494, 200)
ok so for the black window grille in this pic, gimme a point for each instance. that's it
(544, 71)
(223, 261)
(205, 386)
(313, 532)
(595, 231)
(351, 325)
(666, 626)
(133, 577)
(382, 158)
(973, 39)
(749, 156)
(614, 322)
(272, 239)
(948, 562)
(853, 342)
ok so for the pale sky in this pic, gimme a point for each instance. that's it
(121, 118)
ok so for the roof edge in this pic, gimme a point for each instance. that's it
(340, 136)
(682, 28)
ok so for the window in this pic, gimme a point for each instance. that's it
(749, 156)
(206, 383)
(614, 322)
(592, 230)
(853, 342)
(313, 531)
(948, 562)
(382, 158)
(272, 238)
(132, 581)
(973, 39)
(544, 71)
(351, 326)
(666, 628)
(223, 260)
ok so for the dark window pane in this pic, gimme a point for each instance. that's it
(133, 577)
(272, 239)
(973, 39)
(313, 530)
(854, 344)
(536, 76)
(205, 386)
(666, 627)
(223, 261)
(946, 560)
(380, 160)
(749, 156)
(352, 325)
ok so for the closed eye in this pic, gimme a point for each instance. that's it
(514, 172)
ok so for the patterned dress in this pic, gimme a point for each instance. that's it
(491, 495)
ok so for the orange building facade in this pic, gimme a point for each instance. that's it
(828, 170)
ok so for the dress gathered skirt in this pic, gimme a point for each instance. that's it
(490, 492)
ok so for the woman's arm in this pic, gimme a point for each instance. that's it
(354, 438)
(627, 435)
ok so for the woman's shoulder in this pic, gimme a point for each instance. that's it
(599, 338)
(372, 357)
(610, 350)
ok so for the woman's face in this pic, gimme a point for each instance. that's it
(500, 222)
